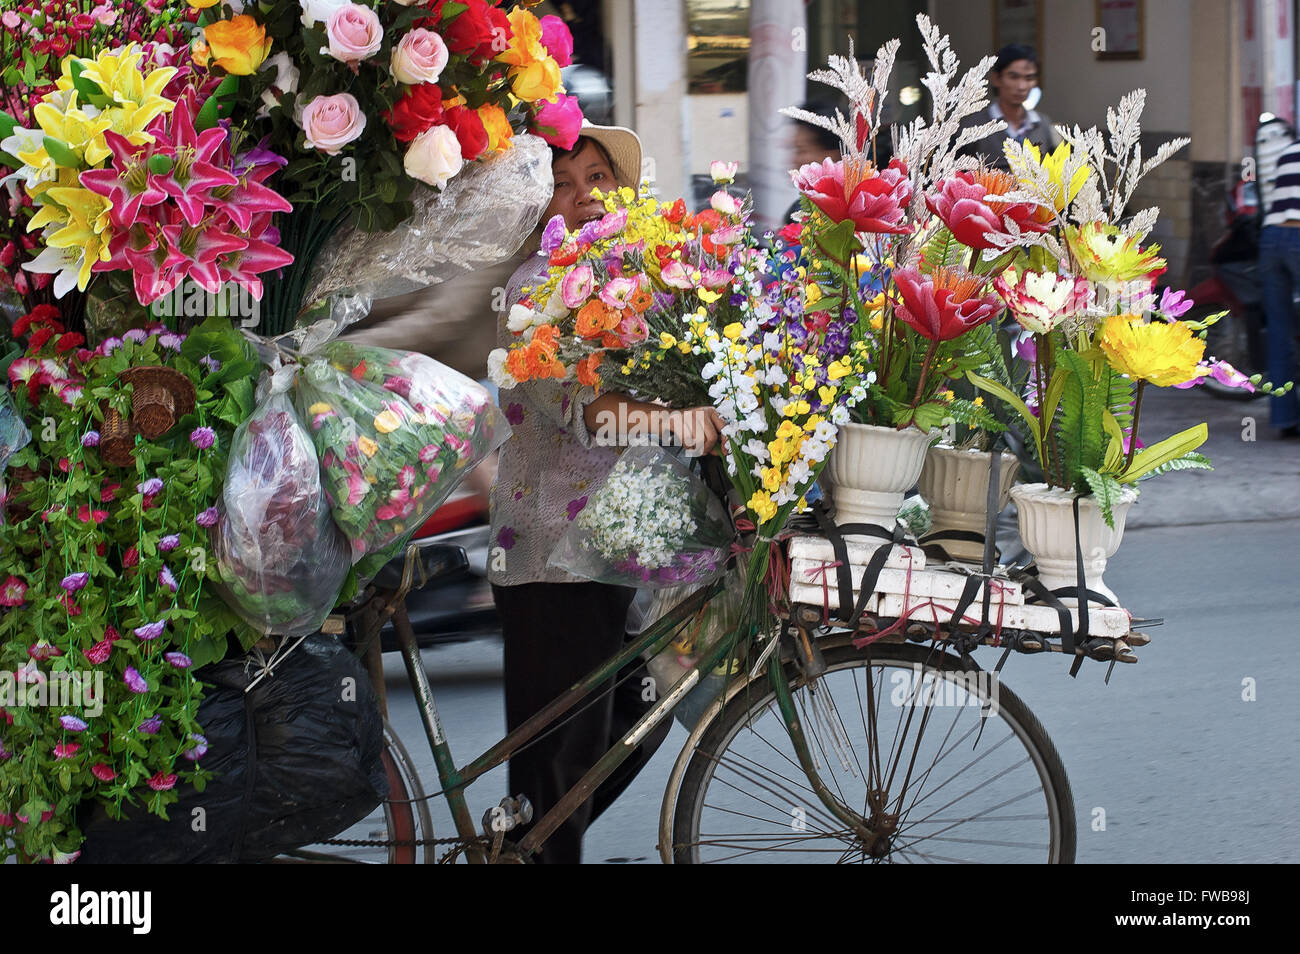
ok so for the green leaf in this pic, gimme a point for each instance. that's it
(88, 89)
(7, 124)
(208, 115)
(1115, 449)
(1005, 395)
(1189, 461)
(1171, 448)
(60, 153)
(837, 242)
(1106, 491)
(11, 161)
(942, 251)
(1081, 429)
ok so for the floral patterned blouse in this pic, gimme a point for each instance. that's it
(547, 468)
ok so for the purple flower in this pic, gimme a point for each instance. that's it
(207, 518)
(506, 537)
(75, 581)
(589, 232)
(515, 413)
(398, 385)
(166, 579)
(150, 726)
(203, 437)
(171, 341)
(149, 631)
(169, 542)
(211, 363)
(200, 748)
(72, 723)
(138, 335)
(153, 485)
(109, 345)
(553, 234)
(575, 506)
(179, 660)
(1174, 303)
(90, 439)
(134, 681)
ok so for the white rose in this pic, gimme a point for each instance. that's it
(318, 11)
(554, 307)
(286, 81)
(419, 57)
(497, 373)
(433, 156)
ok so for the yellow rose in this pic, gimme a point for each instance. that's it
(238, 46)
(536, 81)
(497, 126)
(525, 40)
(386, 422)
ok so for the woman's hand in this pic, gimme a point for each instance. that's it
(699, 429)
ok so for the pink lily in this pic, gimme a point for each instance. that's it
(127, 182)
(192, 176)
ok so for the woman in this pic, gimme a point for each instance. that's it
(1013, 77)
(558, 627)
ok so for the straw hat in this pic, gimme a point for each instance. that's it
(624, 148)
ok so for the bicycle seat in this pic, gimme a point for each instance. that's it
(432, 561)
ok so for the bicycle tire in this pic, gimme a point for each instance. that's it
(749, 703)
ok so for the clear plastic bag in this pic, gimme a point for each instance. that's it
(652, 523)
(14, 436)
(281, 558)
(482, 217)
(395, 433)
(719, 618)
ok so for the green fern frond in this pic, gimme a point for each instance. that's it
(1189, 461)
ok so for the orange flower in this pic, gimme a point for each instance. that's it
(238, 46)
(525, 40)
(611, 340)
(547, 335)
(517, 364)
(641, 299)
(595, 317)
(497, 126)
(587, 374)
(542, 361)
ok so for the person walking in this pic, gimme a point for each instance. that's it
(1279, 276)
(1013, 77)
(558, 627)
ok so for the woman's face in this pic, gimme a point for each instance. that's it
(1016, 82)
(575, 176)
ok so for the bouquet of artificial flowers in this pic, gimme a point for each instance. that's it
(281, 559)
(395, 432)
(652, 523)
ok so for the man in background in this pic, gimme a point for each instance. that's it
(1013, 77)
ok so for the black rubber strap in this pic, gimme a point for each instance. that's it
(850, 611)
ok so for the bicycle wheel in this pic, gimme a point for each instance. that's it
(396, 826)
(895, 731)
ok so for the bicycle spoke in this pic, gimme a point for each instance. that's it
(721, 762)
(987, 781)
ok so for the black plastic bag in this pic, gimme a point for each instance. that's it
(298, 760)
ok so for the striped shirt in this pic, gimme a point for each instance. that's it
(1284, 192)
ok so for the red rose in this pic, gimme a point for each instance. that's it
(676, 212)
(468, 127)
(479, 31)
(419, 109)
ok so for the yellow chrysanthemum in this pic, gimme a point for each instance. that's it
(1161, 352)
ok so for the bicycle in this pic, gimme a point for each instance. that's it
(772, 770)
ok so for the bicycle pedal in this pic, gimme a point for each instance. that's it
(508, 815)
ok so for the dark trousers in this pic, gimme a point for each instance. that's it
(556, 633)
(1279, 274)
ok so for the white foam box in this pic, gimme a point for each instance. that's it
(819, 550)
(930, 583)
(1108, 622)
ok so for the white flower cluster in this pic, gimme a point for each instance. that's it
(643, 512)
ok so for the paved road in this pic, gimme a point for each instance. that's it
(1185, 769)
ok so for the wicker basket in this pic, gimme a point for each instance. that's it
(116, 440)
(161, 396)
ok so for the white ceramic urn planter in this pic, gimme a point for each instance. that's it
(1046, 519)
(955, 483)
(871, 468)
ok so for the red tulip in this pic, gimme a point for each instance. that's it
(943, 305)
(967, 203)
(875, 199)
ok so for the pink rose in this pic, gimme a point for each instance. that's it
(557, 39)
(331, 122)
(559, 122)
(419, 57)
(354, 32)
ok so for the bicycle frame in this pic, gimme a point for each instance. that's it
(454, 780)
